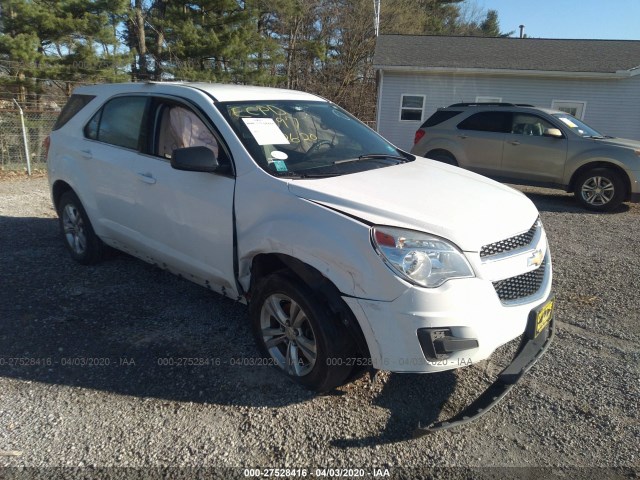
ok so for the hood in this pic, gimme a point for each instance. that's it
(463, 207)
(621, 142)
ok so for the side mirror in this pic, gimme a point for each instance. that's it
(552, 132)
(194, 159)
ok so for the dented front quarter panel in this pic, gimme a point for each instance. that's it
(270, 219)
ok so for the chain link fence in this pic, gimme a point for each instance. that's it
(23, 129)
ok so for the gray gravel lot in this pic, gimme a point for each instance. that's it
(578, 407)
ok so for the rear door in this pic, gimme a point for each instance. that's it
(109, 155)
(482, 138)
(186, 217)
(530, 156)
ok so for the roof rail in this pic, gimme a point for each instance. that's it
(490, 104)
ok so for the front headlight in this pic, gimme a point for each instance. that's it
(420, 258)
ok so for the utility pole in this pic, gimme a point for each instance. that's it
(376, 13)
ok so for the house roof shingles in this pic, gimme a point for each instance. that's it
(425, 51)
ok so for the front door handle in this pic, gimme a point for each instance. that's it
(515, 142)
(462, 136)
(146, 178)
(86, 153)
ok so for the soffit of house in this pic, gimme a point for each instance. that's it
(507, 55)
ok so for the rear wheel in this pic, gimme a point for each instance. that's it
(296, 331)
(81, 241)
(442, 156)
(600, 189)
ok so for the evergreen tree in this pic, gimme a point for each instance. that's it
(214, 40)
(490, 27)
(62, 41)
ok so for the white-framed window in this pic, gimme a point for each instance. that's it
(488, 99)
(572, 107)
(411, 108)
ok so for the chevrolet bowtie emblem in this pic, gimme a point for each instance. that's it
(536, 258)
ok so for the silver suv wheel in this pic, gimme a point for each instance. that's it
(598, 191)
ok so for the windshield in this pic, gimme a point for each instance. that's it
(308, 139)
(578, 127)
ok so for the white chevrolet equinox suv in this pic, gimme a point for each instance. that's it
(347, 250)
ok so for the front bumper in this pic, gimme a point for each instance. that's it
(530, 350)
(469, 309)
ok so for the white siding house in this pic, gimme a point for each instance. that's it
(595, 80)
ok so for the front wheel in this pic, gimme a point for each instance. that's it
(600, 189)
(296, 331)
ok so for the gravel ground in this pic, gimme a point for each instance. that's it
(125, 407)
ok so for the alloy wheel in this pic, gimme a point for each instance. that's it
(74, 229)
(288, 335)
(597, 191)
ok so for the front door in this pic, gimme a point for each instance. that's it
(186, 217)
(531, 156)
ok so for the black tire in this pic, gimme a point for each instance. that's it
(600, 189)
(316, 327)
(83, 244)
(442, 156)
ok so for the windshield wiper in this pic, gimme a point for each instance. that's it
(319, 175)
(595, 137)
(297, 175)
(371, 156)
(288, 174)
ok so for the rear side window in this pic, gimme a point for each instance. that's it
(74, 105)
(488, 122)
(439, 117)
(118, 122)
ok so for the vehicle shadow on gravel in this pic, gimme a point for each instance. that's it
(129, 328)
(565, 203)
(412, 400)
(124, 326)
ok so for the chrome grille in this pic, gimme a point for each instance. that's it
(511, 243)
(521, 286)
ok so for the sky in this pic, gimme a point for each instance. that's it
(599, 19)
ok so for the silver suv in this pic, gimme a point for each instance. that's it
(528, 145)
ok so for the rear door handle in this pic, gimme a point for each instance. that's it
(86, 153)
(515, 142)
(146, 178)
(462, 136)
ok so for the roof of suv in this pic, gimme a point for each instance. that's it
(220, 92)
(494, 106)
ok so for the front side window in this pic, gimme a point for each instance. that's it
(118, 122)
(498, 122)
(411, 107)
(525, 124)
(308, 138)
(578, 127)
(181, 127)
